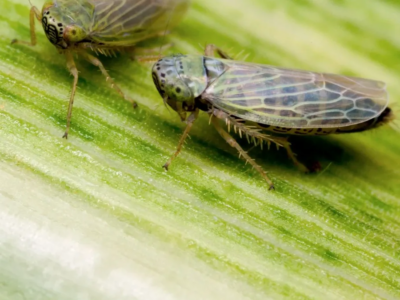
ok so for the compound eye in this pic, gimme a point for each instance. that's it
(157, 83)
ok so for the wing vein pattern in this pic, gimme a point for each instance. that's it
(294, 98)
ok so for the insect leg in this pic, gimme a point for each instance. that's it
(190, 120)
(33, 13)
(283, 142)
(74, 71)
(232, 142)
(256, 135)
(211, 49)
(252, 133)
(95, 61)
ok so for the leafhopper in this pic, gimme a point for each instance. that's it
(102, 27)
(255, 99)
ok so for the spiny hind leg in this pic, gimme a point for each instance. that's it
(232, 142)
(95, 61)
(189, 123)
(281, 142)
(74, 71)
(34, 13)
(284, 143)
(254, 134)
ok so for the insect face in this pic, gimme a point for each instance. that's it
(60, 33)
(172, 87)
(179, 80)
(168, 81)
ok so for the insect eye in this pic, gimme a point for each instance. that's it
(157, 83)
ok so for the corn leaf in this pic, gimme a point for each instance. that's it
(96, 216)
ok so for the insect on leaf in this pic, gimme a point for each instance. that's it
(75, 26)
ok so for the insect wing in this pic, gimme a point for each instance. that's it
(126, 22)
(294, 98)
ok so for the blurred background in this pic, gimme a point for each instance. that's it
(96, 217)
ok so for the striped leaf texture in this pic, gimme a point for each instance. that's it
(96, 216)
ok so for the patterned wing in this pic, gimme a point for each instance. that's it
(294, 98)
(126, 22)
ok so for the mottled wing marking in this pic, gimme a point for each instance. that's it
(122, 22)
(294, 98)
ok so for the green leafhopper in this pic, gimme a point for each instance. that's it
(253, 98)
(102, 26)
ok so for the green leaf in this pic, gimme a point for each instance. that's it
(96, 217)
